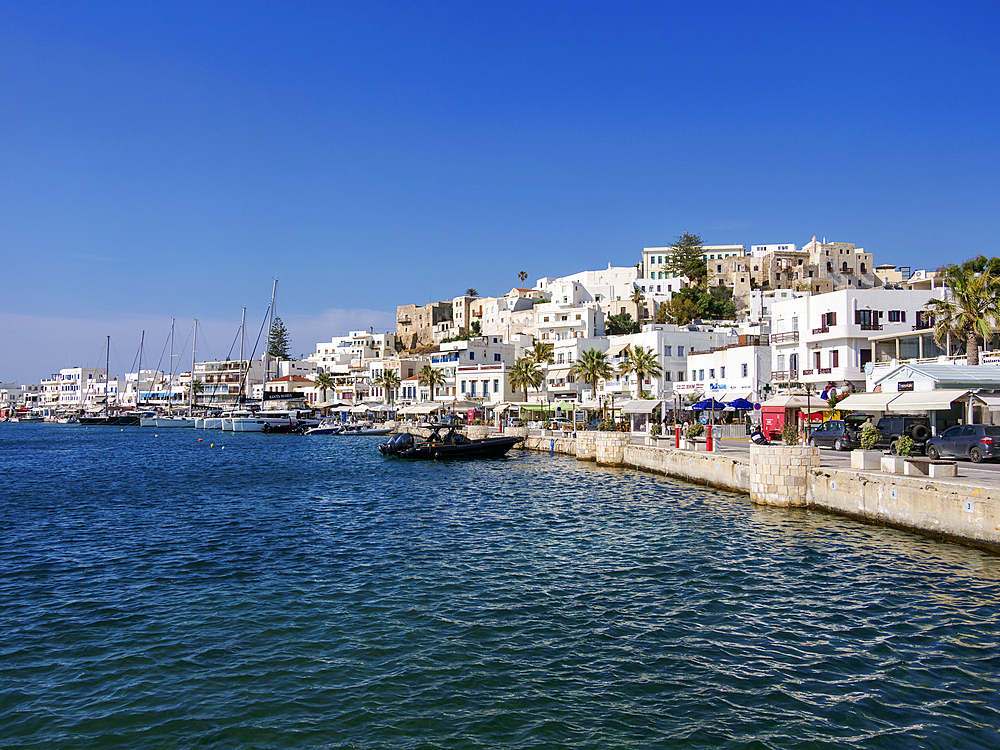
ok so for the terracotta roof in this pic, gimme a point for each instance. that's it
(290, 379)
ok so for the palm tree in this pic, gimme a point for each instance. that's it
(324, 381)
(471, 292)
(592, 366)
(431, 377)
(541, 351)
(637, 295)
(970, 309)
(390, 381)
(524, 374)
(642, 362)
(522, 276)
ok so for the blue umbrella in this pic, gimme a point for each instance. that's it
(740, 404)
(709, 404)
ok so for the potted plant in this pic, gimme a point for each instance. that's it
(789, 434)
(866, 458)
(896, 463)
(693, 431)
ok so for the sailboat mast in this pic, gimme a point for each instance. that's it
(243, 333)
(194, 347)
(267, 349)
(170, 382)
(138, 375)
(107, 377)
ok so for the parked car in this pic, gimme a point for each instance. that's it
(977, 442)
(891, 429)
(558, 423)
(839, 434)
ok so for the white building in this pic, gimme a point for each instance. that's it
(826, 338)
(739, 370)
(759, 251)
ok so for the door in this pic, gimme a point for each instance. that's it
(947, 439)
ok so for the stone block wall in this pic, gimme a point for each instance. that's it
(779, 474)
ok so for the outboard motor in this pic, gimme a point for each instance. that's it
(396, 444)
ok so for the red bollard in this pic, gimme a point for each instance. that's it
(708, 440)
(677, 436)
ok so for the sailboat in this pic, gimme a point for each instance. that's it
(168, 420)
(110, 417)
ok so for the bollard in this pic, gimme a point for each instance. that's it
(677, 436)
(708, 440)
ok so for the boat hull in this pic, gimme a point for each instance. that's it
(117, 421)
(485, 448)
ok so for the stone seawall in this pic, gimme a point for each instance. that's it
(792, 477)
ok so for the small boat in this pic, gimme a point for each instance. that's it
(335, 427)
(446, 442)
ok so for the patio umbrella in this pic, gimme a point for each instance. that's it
(740, 404)
(709, 404)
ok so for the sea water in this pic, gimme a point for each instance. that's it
(186, 588)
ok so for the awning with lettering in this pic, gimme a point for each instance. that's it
(867, 401)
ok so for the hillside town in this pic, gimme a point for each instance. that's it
(631, 345)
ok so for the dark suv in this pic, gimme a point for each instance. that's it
(891, 429)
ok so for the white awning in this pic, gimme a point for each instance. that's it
(558, 372)
(733, 395)
(867, 401)
(992, 402)
(362, 409)
(616, 350)
(425, 408)
(925, 400)
(641, 406)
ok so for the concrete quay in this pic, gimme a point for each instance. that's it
(963, 509)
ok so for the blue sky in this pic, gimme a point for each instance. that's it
(164, 160)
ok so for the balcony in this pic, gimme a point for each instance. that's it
(825, 370)
(791, 337)
(871, 326)
(923, 326)
(824, 329)
(808, 372)
(784, 376)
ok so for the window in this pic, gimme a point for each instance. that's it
(701, 374)
(834, 358)
(897, 316)
(472, 386)
(694, 374)
(744, 370)
(472, 356)
(680, 351)
(680, 376)
(828, 319)
(496, 357)
(722, 373)
(711, 372)
(667, 350)
(496, 386)
(463, 387)
(666, 376)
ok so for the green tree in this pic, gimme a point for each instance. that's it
(720, 304)
(685, 255)
(471, 292)
(620, 324)
(324, 381)
(970, 309)
(642, 363)
(525, 374)
(541, 352)
(681, 309)
(476, 328)
(389, 380)
(431, 377)
(277, 340)
(592, 366)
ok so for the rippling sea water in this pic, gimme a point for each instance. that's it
(265, 591)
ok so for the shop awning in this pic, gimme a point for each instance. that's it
(729, 396)
(558, 372)
(362, 409)
(992, 402)
(925, 400)
(641, 406)
(867, 401)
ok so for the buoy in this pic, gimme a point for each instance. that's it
(199, 440)
(122, 429)
(211, 445)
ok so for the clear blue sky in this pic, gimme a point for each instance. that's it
(169, 159)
